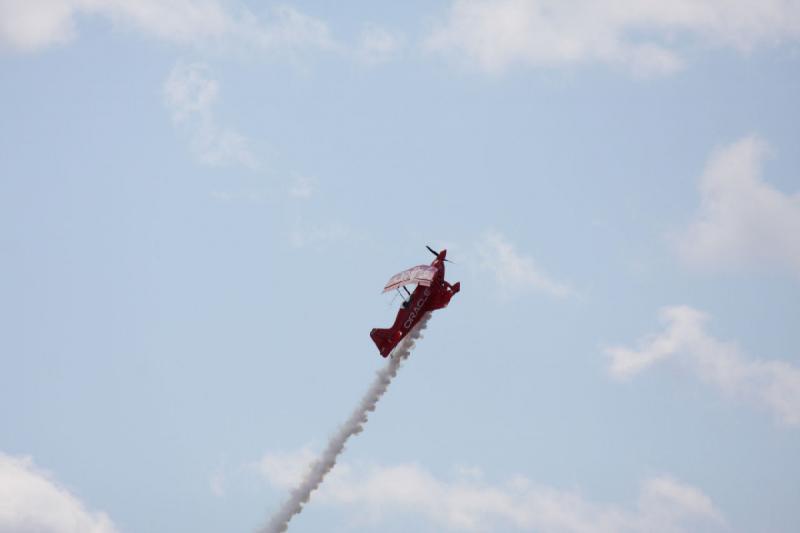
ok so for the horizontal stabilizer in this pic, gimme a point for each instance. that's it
(384, 340)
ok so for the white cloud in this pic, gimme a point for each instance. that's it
(190, 94)
(190, 91)
(217, 483)
(742, 220)
(290, 28)
(31, 501)
(639, 34)
(29, 25)
(772, 384)
(466, 503)
(302, 188)
(378, 45)
(286, 469)
(514, 271)
(33, 25)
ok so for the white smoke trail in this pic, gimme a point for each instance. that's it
(353, 426)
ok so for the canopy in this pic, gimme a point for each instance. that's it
(420, 274)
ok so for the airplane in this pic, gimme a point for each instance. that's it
(432, 293)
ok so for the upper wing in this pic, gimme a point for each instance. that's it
(421, 274)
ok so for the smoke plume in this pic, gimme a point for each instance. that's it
(354, 425)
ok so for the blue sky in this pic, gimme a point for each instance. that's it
(200, 201)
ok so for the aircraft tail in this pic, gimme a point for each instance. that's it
(383, 340)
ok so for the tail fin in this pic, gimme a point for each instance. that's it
(383, 340)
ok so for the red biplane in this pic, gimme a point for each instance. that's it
(432, 293)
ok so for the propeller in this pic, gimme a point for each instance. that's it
(434, 252)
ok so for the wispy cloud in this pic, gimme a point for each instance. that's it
(513, 270)
(32, 25)
(467, 503)
(378, 45)
(190, 94)
(742, 220)
(32, 501)
(277, 31)
(302, 188)
(772, 384)
(640, 35)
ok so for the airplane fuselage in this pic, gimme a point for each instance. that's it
(424, 299)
